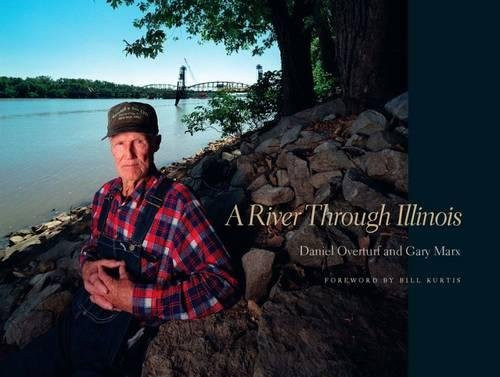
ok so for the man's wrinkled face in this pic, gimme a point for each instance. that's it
(133, 154)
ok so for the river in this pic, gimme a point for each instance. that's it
(52, 157)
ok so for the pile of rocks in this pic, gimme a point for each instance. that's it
(291, 321)
(38, 274)
(25, 238)
(304, 326)
(298, 162)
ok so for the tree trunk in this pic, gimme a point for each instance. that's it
(294, 42)
(326, 38)
(371, 50)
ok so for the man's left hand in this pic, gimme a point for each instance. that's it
(119, 290)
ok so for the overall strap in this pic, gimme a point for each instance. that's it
(154, 201)
(104, 212)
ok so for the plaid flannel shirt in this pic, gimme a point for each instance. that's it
(194, 278)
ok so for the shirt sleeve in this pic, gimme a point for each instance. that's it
(208, 284)
(89, 248)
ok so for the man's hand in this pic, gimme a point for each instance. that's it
(118, 295)
(90, 276)
(93, 284)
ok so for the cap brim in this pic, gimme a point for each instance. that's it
(127, 129)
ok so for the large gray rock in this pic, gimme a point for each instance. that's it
(389, 166)
(56, 303)
(319, 112)
(327, 145)
(62, 249)
(282, 160)
(50, 225)
(342, 206)
(224, 344)
(319, 179)
(228, 156)
(357, 140)
(257, 264)
(33, 325)
(300, 176)
(70, 265)
(9, 293)
(246, 147)
(269, 195)
(362, 192)
(63, 217)
(258, 182)
(282, 177)
(322, 331)
(211, 169)
(198, 170)
(15, 240)
(323, 194)
(398, 106)
(308, 140)
(290, 135)
(245, 171)
(21, 246)
(18, 326)
(329, 159)
(384, 140)
(41, 278)
(268, 146)
(279, 129)
(369, 122)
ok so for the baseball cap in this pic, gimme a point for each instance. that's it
(132, 117)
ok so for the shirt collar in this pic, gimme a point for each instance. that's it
(141, 188)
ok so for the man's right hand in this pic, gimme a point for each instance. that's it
(91, 281)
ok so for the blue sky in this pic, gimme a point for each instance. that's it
(84, 39)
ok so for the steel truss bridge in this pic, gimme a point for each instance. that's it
(209, 86)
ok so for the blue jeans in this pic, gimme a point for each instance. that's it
(84, 342)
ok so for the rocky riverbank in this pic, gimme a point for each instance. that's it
(299, 316)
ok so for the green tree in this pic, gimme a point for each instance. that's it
(324, 82)
(46, 87)
(362, 42)
(262, 100)
(231, 114)
(225, 113)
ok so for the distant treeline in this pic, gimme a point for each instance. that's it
(46, 87)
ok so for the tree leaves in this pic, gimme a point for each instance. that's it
(230, 114)
(239, 25)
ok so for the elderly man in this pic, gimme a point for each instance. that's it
(152, 256)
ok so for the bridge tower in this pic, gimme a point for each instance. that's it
(181, 85)
(259, 72)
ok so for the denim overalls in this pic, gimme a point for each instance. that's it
(98, 333)
(87, 339)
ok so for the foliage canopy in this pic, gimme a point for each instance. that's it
(235, 23)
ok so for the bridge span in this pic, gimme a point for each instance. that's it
(182, 90)
(209, 86)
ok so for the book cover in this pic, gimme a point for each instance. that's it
(349, 187)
